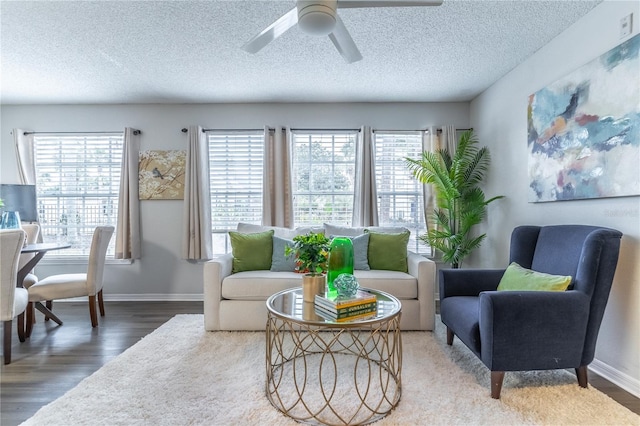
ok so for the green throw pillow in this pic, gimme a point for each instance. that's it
(251, 252)
(521, 279)
(388, 251)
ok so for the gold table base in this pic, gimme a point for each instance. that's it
(334, 374)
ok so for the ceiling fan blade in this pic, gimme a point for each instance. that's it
(272, 32)
(343, 4)
(344, 43)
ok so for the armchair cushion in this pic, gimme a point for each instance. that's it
(518, 278)
(251, 252)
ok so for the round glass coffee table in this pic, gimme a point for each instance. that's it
(332, 373)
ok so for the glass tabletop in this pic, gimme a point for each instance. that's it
(290, 305)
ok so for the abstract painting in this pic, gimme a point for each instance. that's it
(161, 175)
(584, 130)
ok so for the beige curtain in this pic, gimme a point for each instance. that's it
(448, 139)
(277, 198)
(25, 151)
(197, 242)
(430, 143)
(128, 238)
(26, 156)
(365, 200)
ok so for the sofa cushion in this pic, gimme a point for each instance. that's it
(342, 231)
(258, 285)
(388, 251)
(279, 261)
(251, 251)
(278, 231)
(400, 284)
(360, 250)
(353, 231)
(517, 278)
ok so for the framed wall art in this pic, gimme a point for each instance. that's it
(584, 130)
(161, 175)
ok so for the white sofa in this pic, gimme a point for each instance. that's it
(236, 301)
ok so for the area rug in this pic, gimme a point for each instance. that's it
(182, 375)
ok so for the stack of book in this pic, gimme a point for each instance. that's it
(363, 305)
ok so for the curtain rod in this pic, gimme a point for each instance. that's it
(398, 131)
(325, 130)
(185, 130)
(135, 132)
(457, 130)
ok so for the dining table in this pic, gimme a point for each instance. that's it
(39, 250)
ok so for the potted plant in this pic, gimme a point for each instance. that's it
(312, 252)
(460, 203)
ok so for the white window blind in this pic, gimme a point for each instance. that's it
(77, 181)
(400, 198)
(236, 162)
(323, 177)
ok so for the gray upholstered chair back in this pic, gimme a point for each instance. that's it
(588, 253)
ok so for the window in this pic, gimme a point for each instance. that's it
(323, 177)
(236, 162)
(78, 181)
(400, 198)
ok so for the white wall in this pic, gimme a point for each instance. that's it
(161, 273)
(500, 117)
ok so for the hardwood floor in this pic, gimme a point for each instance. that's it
(55, 359)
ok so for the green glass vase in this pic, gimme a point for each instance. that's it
(340, 260)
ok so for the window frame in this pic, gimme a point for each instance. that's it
(220, 231)
(386, 160)
(306, 137)
(111, 144)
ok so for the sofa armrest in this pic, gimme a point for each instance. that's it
(532, 330)
(424, 270)
(215, 271)
(468, 282)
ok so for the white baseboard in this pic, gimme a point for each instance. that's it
(616, 377)
(151, 297)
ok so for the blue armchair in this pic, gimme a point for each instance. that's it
(535, 330)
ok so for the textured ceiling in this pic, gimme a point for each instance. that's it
(81, 52)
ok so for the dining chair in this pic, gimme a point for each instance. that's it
(32, 230)
(13, 299)
(65, 286)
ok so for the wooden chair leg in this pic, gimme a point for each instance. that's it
(49, 305)
(449, 336)
(21, 335)
(496, 383)
(581, 373)
(92, 311)
(30, 319)
(101, 303)
(7, 341)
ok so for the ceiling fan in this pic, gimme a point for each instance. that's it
(320, 17)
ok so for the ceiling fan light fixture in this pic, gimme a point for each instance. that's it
(317, 17)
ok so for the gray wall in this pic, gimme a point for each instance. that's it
(500, 117)
(161, 274)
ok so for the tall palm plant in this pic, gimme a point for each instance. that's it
(460, 203)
